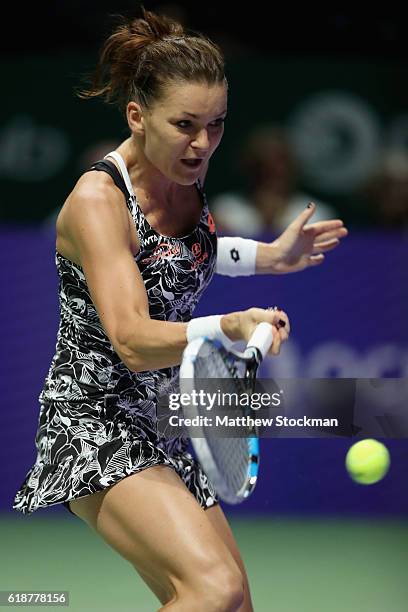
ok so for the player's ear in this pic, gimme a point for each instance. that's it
(135, 118)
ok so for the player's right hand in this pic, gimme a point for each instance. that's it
(240, 325)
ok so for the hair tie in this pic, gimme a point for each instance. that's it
(174, 38)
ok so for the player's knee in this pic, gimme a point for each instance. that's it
(222, 589)
(229, 592)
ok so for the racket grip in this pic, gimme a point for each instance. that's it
(261, 339)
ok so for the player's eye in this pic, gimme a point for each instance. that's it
(184, 124)
(217, 122)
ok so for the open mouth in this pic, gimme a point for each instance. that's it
(192, 163)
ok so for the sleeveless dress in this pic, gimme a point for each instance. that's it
(97, 420)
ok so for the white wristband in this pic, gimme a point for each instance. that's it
(236, 256)
(208, 327)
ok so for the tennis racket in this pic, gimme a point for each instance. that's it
(230, 463)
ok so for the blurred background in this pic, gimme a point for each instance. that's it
(318, 110)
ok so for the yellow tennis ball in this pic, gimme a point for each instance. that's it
(367, 461)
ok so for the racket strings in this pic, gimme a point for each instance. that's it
(228, 455)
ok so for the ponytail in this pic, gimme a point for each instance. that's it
(144, 54)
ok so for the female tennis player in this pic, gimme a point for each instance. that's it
(136, 247)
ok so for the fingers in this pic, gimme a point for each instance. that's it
(320, 227)
(279, 320)
(277, 317)
(276, 344)
(279, 335)
(304, 216)
(339, 232)
(281, 331)
(322, 247)
(315, 260)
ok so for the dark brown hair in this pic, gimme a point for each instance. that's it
(145, 54)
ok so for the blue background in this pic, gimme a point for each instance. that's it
(351, 310)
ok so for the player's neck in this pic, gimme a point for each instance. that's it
(155, 189)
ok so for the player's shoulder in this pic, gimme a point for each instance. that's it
(95, 191)
(95, 186)
(94, 199)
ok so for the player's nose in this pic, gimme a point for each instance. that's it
(202, 142)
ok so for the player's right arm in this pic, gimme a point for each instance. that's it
(98, 227)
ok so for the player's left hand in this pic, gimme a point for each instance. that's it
(301, 245)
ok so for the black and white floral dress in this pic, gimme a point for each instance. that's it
(97, 419)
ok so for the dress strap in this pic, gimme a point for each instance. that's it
(125, 174)
(109, 167)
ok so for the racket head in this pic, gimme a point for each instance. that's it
(231, 464)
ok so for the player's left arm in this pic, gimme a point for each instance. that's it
(300, 246)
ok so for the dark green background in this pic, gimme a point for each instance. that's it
(262, 90)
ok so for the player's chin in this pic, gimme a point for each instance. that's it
(184, 180)
(188, 171)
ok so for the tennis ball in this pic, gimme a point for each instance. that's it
(367, 461)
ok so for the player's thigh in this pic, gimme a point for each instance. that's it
(222, 527)
(154, 522)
